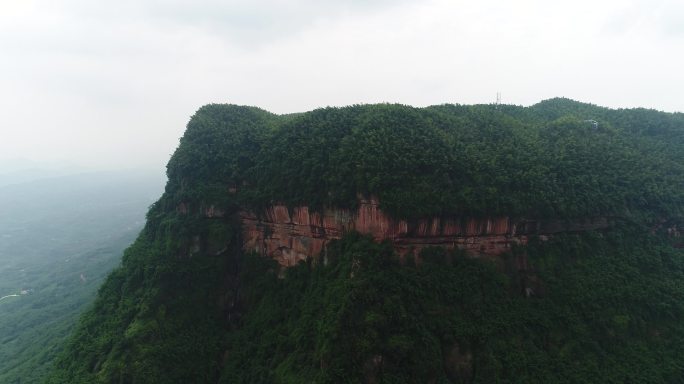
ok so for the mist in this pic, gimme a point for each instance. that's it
(103, 86)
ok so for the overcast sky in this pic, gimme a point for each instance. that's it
(112, 84)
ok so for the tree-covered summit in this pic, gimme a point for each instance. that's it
(558, 158)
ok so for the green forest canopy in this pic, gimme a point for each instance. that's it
(543, 161)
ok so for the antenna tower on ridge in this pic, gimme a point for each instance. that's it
(498, 99)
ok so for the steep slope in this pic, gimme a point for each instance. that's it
(592, 292)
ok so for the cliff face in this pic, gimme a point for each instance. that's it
(290, 236)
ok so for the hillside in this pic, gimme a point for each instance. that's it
(59, 238)
(585, 284)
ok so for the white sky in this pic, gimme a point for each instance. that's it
(112, 84)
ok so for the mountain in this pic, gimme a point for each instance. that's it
(59, 237)
(18, 171)
(387, 243)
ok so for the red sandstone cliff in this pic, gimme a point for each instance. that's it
(290, 236)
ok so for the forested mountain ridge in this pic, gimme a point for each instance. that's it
(543, 161)
(189, 305)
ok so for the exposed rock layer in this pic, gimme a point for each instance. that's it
(290, 236)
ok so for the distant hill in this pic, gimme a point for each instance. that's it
(18, 170)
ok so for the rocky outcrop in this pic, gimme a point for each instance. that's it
(292, 235)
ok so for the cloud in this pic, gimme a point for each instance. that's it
(241, 22)
(663, 19)
(114, 83)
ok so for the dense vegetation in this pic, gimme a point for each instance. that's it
(544, 161)
(187, 305)
(455, 319)
(59, 238)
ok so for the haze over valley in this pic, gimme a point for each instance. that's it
(59, 237)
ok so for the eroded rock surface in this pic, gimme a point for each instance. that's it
(290, 236)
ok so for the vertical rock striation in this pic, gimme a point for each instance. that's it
(293, 235)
